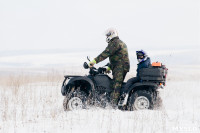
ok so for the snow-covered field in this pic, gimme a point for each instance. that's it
(33, 104)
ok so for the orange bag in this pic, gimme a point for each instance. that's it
(157, 64)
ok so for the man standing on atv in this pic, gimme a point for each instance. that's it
(119, 61)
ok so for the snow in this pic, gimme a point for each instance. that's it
(36, 107)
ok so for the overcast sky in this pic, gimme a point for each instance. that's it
(80, 24)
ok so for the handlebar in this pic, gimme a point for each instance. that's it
(93, 70)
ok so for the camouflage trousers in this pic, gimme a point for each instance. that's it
(118, 77)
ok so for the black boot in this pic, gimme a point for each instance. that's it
(115, 99)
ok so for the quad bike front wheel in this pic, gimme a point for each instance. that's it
(75, 101)
(141, 100)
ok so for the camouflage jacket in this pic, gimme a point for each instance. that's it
(118, 54)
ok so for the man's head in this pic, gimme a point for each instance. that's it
(141, 55)
(110, 34)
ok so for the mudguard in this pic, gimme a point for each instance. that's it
(133, 87)
(150, 84)
(73, 80)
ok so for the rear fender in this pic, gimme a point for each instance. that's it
(149, 86)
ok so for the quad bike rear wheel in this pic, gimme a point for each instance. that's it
(75, 101)
(140, 100)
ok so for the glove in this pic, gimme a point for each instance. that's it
(108, 70)
(91, 64)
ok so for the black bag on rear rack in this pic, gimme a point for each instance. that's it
(153, 73)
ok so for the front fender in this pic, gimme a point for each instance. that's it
(74, 81)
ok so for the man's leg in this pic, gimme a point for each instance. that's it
(118, 77)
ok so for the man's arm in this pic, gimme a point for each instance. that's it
(110, 50)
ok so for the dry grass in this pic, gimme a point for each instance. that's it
(22, 79)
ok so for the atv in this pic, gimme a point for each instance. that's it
(82, 92)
